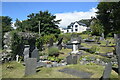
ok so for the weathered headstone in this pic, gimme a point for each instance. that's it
(30, 66)
(26, 52)
(32, 46)
(35, 54)
(59, 44)
(118, 52)
(102, 36)
(51, 42)
(72, 59)
(69, 59)
(107, 71)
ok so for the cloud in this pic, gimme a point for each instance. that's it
(69, 17)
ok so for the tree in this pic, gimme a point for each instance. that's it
(86, 21)
(109, 15)
(96, 27)
(48, 25)
(6, 24)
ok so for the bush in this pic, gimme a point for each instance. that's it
(53, 51)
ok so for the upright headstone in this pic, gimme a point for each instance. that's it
(32, 46)
(17, 57)
(118, 52)
(107, 43)
(30, 66)
(102, 36)
(51, 42)
(69, 59)
(26, 52)
(72, 59)
(35, 54)
(59, 44)
(107, 71)
(115, 38)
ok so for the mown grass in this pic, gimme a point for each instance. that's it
(18, 71)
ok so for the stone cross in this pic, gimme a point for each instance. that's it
(30, 66)
(17, 57)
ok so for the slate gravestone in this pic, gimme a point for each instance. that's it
(118, 52)
(75, 59)
(59, 44)
(51, 42)
(32, 46)
(30, 66)
(69, 59)
(72, 59)
(35, 54)
(107, 71)
(26, 52)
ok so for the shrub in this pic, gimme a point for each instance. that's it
(53, 51)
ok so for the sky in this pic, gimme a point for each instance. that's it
(67, 11)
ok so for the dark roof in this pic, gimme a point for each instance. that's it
(69, 26)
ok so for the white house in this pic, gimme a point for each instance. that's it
(76, 27)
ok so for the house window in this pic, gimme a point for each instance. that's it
(76, 29)
(76, 25)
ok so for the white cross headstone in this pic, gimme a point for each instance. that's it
(17, 58)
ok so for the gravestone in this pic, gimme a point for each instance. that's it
(26, 52)
(107, 43)
(118, 52)
(17, 57)
(32, 46)
(75, 59)
(51, 42)
(59, 44)
(72, 59)
(69, 59)
(35, 54)
(107, 71)
(103, 36)
(30, 66)
(115, 38)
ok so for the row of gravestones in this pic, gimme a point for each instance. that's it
(108, 68)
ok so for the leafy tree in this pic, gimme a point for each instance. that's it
(86, 21)
(109, 15)
(6, 23)
(96, 27)
(6, 26)
(48, 24)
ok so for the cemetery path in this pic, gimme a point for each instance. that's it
(81, 74)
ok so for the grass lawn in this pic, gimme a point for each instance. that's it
(17, 71)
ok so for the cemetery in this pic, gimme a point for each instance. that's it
(81, 60)
(37, 48)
